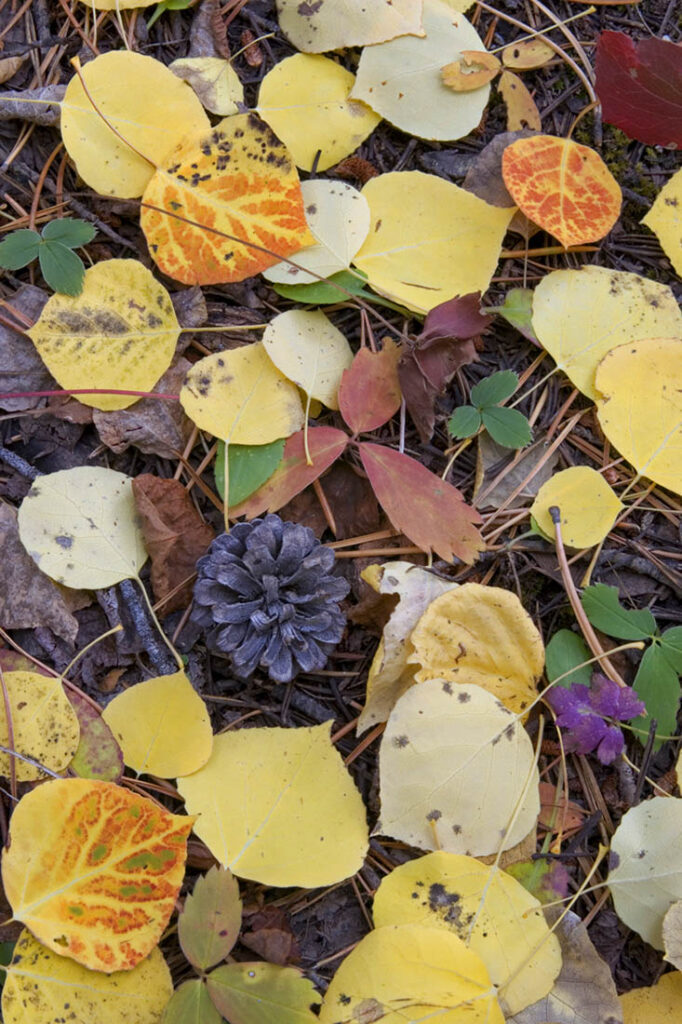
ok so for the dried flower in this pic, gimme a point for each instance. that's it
(581, 711)
(265, 595)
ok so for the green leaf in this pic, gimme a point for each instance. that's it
(6, 954)
(564, 651)
(494, 389)
(256, 993)
(464, 421)
(671, 647)
(19, 249)
(323, 293)
(168, 5)
(657, 684)
(62, 268)
(517, 310)
(191, 1004)
(507, 427)
(71, 233)
(605, 611)
(250, 465)
(210, 920)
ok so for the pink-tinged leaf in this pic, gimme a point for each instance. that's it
(98, 755)
(12, 661)
(639, 86)
(211, 918)
(457, 318)
(293, 473)
(369, 393)
(429, 511)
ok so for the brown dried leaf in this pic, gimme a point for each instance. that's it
(39, 106)
(484, 179)
(351, 500)
(21, 368)
(271, 937)
(9, 67)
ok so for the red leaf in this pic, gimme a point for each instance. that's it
(429, 511)
(369, 393)
(293, 474)
(639, 86)
(459, 318)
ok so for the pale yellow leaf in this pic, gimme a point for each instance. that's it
(665, 220)
(306, 347)
(401, 79)
(333, 24)
(658, 1004)
(488, 909)
(162, 726)
(135, 94)
(278, 806)
(455, 765)
(672, 935)
(80, 526)
(119, 333)
(429, 239)
(338, 217)
(214, 80)
(580, 315)
(480, 635)
(240, 396)
(305, 100)
(587, 504)
(521, 109)
(44, 725)
(409, 973)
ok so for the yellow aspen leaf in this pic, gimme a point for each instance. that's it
(656, 1004)
(334, 24)
(42, 987)
(527, 54)
(588, 506)
(401, 79)
(290, 815)
(306, 101)
(522, 111)
(564, 188)
(473, 69)
(44, 725)
(665, 220)
(134, 94)
(338, 217)
(162, 726)
(580, 315)
(651, 443)
(406, 973)
(214, 80)
(80, 526)
(240, 992)
(309, 350)
(481, 635)
(429, 239)
(94, 870)
(485, 907)
(225, 204)
(455, 765)
(119, 333)
(241, 397)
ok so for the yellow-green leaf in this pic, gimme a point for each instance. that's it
(665, 220)
(290, 815)
(214, 80)
(162, 726)
(44, 725)
(588, 506)
(209, 922)
(80, 526)
(334, 24)
(119, 333)
(191, 1004)
(243, 991)
(308, 349)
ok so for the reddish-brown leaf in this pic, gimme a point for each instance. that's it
(369, 393)
(639, 86)
(429, 511)
(269, 934)
(293, 473)
(98, 755)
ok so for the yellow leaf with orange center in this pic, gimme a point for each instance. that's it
(565, 188)
(225, 205)
(94, 870)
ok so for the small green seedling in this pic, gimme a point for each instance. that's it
(61, 267)
(507, 427)
(168, 5)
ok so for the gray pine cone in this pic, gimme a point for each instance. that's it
(265, 595)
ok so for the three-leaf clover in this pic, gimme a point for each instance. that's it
(61, 267)
(507, 427)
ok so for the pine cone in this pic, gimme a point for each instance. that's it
(265, 595)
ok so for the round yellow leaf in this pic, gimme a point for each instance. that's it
(214, 80)
(429, 239)
(42, 987)
(665, 220)
(119, 333)
(44, 725)
(588, 506)
(644, 422)
(305, 100)
(402, 80)
(308, 349)
(334, 24)
(80, 526)
(485, 907)
(162, 726)
(278, 806)
(135, 94)
(580, 315)
(658, 1004)
(481, 635)
(241, 397)
(409, 973)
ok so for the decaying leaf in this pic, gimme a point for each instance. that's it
(657, 1004)
(44, 725)
(527, 54)
(309, 350)
(241, 991)
(214, 80)
(530, 465)
(587, 504)
(210, 920)
(333, 24)
(369, 393)
(98, 755)
(665, 220)
(522, 112)
(472, 70)
(22, 367)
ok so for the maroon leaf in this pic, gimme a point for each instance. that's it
(98, 755)
(429, 511)
(458, 318)
(369, 393)
(293, 473)
(639, 86)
